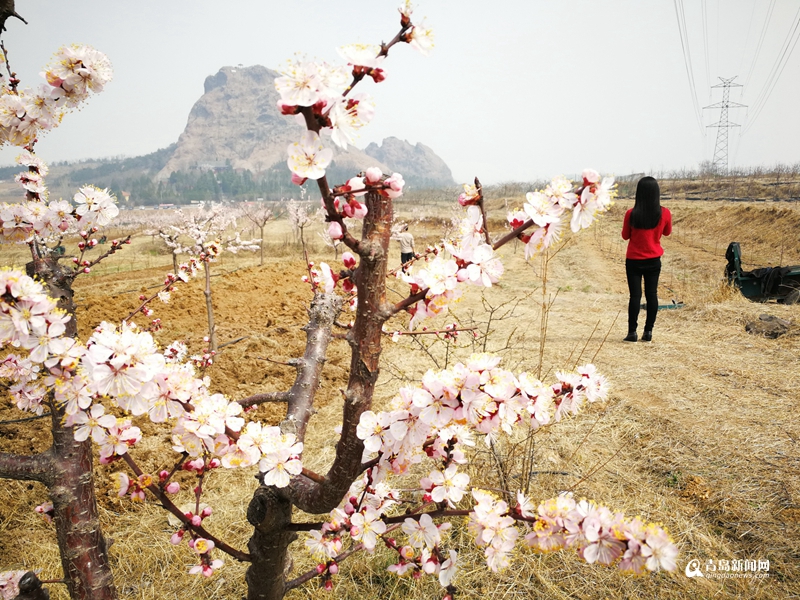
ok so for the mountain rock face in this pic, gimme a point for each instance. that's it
(237, 122)
(419, 160)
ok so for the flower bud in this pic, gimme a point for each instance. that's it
(373, 175)
(349, 260)
(177, 537)
(206, 512)
(173, 487)
(333, 568)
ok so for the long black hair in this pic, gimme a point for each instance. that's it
(646, 213)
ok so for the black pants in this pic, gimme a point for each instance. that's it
(405, 257)
(648, 269)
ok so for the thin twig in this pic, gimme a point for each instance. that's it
(257, 399)
(236, 341)
(585, 477)
(589, 339)
(606, 337)
(42, 416)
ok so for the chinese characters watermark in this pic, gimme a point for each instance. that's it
(728, 569)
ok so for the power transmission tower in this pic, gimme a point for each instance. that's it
(720, 162)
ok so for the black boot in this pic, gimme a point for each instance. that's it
(647, 336)
(631, 337)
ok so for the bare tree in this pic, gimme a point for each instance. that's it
(259, 214)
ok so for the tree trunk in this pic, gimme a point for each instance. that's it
(269, 514)
(212, 330)
(84, 552)
(66, 470)
(262, 246)
(270, 509)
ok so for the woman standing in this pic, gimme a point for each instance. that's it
(644, 225)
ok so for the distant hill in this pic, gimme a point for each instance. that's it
(233, 147)
(236, 122)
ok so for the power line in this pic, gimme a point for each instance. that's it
(747, 37)
(704, 13)
(777, 70)
(760, 41)
(687, 60)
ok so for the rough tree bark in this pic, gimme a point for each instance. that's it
(66, 470)
(270, 509)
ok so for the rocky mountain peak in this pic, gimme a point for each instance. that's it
(237, 122)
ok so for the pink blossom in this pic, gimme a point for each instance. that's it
(349, 260)
(394, 186)
(308, 157)
(335, 230)
(373, 175)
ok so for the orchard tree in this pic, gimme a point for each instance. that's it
(259, 214)
(41, 327)
(203, 234)
(398, 478)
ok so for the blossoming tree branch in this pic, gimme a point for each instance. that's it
(399, 475)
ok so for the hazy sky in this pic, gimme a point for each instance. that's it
(514, 90)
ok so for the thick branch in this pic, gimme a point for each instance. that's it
(24, 467)
(365, 341)
(323, 311)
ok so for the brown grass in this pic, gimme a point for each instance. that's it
(700, 427)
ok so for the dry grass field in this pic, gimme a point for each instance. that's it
(700, 432)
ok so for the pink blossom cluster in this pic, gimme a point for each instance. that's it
(201, 546)
(598, 534)
(471, 260)
(475, 396)
(593, 530)
(546, 208)
(437, 420)
(135, 487)
(318, 93)
(346, 201)
(74, 73)
(29, 320)
(322, 277)
(19, 222)
(124, 365)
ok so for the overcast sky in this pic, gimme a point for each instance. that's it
(514, 89)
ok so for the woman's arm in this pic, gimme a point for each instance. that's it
(626, 226)
(667, 216)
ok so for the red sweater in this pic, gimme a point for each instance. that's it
(646, 243)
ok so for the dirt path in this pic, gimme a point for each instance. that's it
(713, 409)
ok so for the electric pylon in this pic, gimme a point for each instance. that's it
(720, 162)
